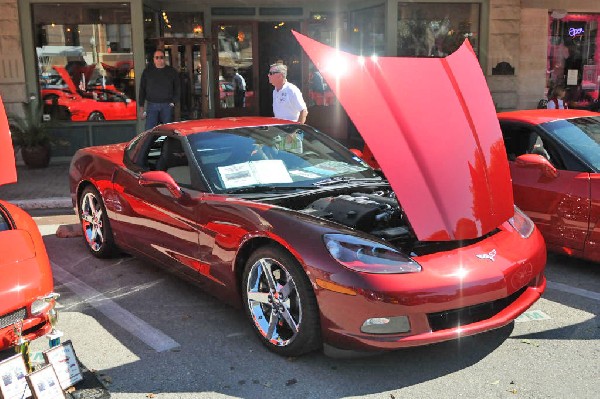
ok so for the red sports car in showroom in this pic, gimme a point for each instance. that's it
(26, 286)
(95, 104)
(316, 246)
(555, 166)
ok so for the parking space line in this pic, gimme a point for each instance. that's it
(151, 336)
(574, 290)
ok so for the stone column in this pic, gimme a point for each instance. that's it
(531, 81)
(503, 52)
(12, 73)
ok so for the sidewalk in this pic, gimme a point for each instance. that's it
(39, 188)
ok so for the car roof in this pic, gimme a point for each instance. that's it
(539, 116)
(206, 125)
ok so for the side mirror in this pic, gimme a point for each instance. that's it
(158, 178)
(537, 161)
(127, 100)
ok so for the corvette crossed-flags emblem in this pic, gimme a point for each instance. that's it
(490, 255)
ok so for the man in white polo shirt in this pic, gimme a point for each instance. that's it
(287, 98)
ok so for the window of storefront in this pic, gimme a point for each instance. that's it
(438, 29)
(182, 24)
(236, 66)
(574, 58)
(331, 29)
(85, 60)
(367, 31)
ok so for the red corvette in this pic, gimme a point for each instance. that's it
(97, 104)
(555, 166)
(316, 246)
(26, 297)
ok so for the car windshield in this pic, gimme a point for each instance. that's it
(580, 135)
(273, 157)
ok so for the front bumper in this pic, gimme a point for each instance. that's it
(33, 327)
(456, 295)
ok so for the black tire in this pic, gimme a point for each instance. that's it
(286, 316)
(96, 116)
(97, 233)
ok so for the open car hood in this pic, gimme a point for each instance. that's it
(432, 127)
(8, 172)
(62, 72)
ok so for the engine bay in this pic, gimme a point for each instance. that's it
(376, 212)
(372, 213)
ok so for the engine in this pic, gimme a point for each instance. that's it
(378, 214)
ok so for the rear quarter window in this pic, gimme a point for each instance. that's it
(4, 225)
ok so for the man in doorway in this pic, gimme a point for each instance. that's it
(159, 89)
(287, 97)
(239, 89)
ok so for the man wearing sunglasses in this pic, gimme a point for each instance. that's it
(159, 89)
(287, 97)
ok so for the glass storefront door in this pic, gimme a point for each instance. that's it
(234, 78)
(245, 51)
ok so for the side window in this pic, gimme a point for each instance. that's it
(154, 152)
(4, 224)
(174, 161)
(133, 149)
(520, 140)
(512, 141)
(536, 145)
(559, 159)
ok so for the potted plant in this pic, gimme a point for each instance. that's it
(30, 134)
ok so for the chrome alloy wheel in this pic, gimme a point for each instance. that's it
(91, 221)
(274, 302)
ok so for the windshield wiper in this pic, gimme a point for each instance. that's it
(342, 179)
(260, 188)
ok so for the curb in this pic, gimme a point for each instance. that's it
(43, 203)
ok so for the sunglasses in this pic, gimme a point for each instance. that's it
(273, 72)
(159, 57)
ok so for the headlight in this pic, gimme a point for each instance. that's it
(38, 306)
(521, 223)
(368, 256)
(43, 303)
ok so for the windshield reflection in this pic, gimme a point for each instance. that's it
(580, 135)
(292, 156)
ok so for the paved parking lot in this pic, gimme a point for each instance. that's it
(149, 334)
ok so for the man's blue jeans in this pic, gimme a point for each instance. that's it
(157, 113)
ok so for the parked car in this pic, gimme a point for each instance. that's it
(226, 93)
(27, 299)
(555, 163)
(94, 104)
(317, 247)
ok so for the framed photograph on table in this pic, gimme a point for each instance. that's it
(44, 384)
(66, 366)
(13, 384)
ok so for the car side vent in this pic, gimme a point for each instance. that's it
(12, 318)
(470, 314)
